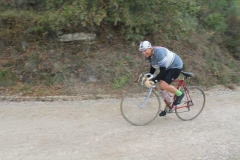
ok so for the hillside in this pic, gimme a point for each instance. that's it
(35, 62)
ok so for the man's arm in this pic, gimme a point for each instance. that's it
(160, 75)
(152, 70)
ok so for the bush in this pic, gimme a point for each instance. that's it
(14, 25)
(216, 22)
(133, 19)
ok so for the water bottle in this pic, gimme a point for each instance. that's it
(166, 97)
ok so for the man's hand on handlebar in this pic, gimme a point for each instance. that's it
(149, 83)
(146, 80)
(147, 76)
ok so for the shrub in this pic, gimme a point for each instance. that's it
(216, 22)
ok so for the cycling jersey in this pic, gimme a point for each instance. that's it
(162, 57)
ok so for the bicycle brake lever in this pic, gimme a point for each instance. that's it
(139, 77)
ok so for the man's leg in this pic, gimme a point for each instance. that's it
(165, 84)
(168, 87)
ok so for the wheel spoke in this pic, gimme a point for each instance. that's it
(139, 108)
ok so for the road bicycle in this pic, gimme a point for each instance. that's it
(141, 105)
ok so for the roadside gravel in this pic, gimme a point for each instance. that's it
(95, 129)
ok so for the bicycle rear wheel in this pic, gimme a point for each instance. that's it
(137, 109)
(192, 104)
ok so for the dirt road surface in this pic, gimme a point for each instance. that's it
(95, 130)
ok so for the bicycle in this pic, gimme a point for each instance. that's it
(142, 105)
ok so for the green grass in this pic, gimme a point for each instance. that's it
(7, 78)
(121, 81)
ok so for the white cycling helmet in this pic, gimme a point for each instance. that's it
(144, 45)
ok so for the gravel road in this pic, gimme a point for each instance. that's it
(95, 130)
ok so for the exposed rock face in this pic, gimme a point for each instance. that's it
(77, 37)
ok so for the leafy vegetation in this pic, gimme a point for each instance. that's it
(30, 52)
(7, 78)
(121, 81)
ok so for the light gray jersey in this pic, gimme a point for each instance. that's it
(162, 57)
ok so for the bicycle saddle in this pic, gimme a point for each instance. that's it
(187, 74)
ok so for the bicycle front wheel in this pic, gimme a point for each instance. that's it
(192, 104)
(139, 106)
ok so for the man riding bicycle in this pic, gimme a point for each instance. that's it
(170, 65)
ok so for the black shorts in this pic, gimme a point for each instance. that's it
(171, 75)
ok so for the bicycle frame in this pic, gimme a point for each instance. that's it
(181, 83)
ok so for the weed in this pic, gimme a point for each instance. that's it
(33, 58)
(235, 78)
(25, 90)
(59, 77)
(233, 65)
(8, 64)
(7, 78)
(121, 81)
(47, 79)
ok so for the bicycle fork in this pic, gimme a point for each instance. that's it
(146, 98)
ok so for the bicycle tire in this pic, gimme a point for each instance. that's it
(188, 110)
(131, 111)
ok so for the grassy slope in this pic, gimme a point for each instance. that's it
(75, 69)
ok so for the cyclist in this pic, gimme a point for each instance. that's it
(170, 65)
